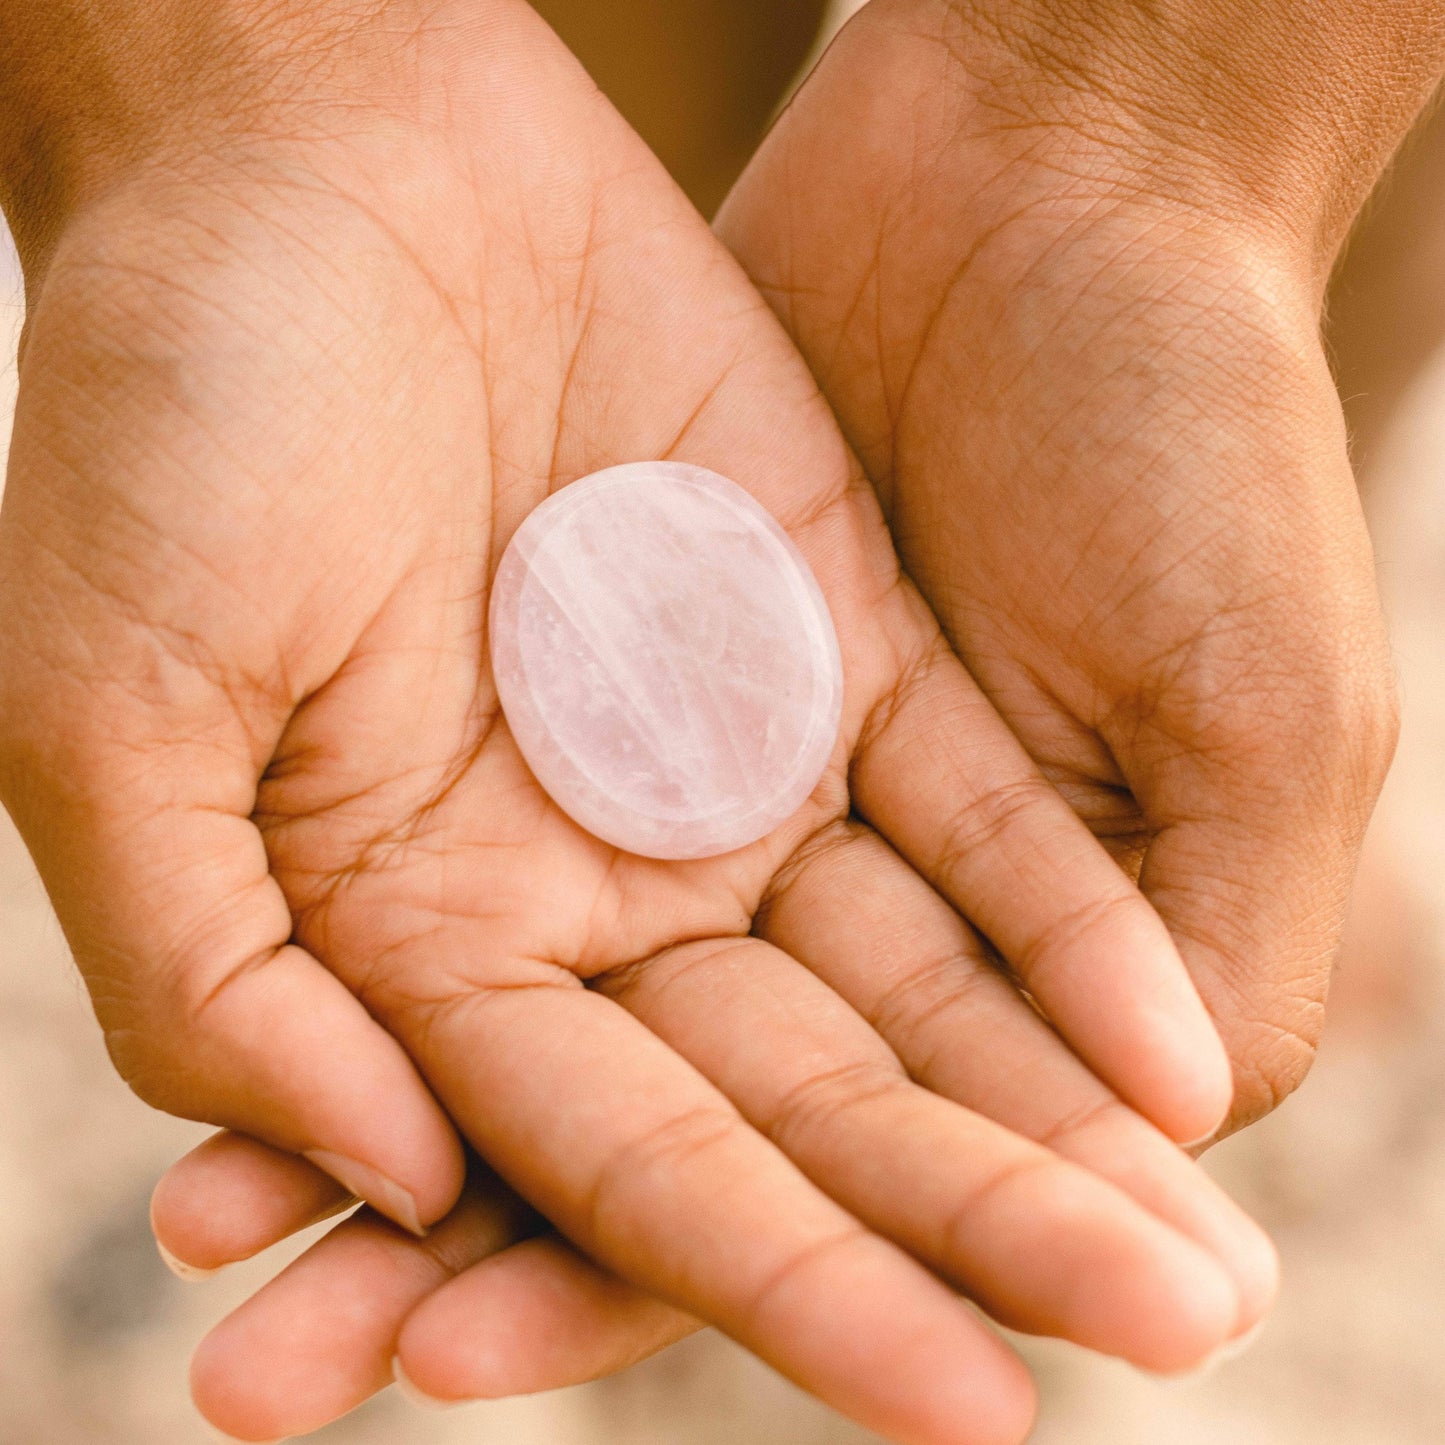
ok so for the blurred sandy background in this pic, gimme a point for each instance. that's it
(1349, 1176)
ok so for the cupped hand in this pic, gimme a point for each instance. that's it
(1060, 278)
(494, 1303)
(298, 364)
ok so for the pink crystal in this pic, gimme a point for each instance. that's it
(665, 660)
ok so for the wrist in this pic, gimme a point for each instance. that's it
(1269, 115)
(92, 94)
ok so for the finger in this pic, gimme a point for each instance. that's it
(1257, 799)
(233, 1197)
(534, 1317)
(855, 914)
(163, 887)
(1042, 1245)
(652, 1172)
(320, 1338)
(940, 775)
(537, 1317)
(1258, 907)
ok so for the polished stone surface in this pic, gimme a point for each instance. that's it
(665, 660)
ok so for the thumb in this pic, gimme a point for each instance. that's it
(1252, 857)
(162, 885)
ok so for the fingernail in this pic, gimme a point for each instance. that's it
(332, 1210)
(1229, 1350)
(408, 1391)
(191, 1273)
(367, 1183)
(1240, 1344)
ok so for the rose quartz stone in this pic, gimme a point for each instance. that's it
(665, 660)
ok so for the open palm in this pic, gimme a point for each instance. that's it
(284, 399)
(1080, 358)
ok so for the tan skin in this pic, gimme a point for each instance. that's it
(1068, 742)
(443, 1341)
(269, 444)
(439, 1337)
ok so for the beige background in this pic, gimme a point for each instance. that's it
(1349, 1176)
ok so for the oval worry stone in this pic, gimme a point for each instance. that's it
(665, 660)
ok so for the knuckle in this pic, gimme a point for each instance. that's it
(819, 1254)
(199, 997)
(916, 1015)
(1098, 1115)
(430, 1007)
(1030, 1169)
(1062, 938)
(988, 818)
(810, 1105)
(638, 983)
(649, 1163)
